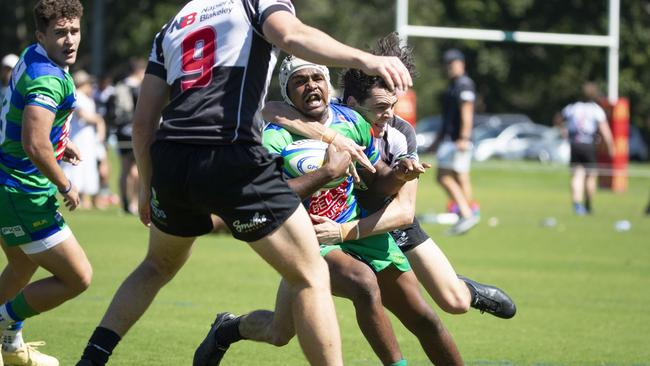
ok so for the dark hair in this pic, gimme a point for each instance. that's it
(357, 84)
(48, 10)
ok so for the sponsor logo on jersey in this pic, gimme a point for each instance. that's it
(330, 203)
(39, 223)
(183, 22)
(256, 222)
(155, 210)
(222, 8)
(17, 231)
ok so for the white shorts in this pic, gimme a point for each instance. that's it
(450, 158)
(38, 246)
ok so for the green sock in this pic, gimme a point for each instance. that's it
(401, 362)
(21, 308)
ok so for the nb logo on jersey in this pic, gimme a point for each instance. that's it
(183, 22)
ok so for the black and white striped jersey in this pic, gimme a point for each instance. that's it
(214, 56)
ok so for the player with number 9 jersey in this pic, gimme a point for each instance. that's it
(218, 67)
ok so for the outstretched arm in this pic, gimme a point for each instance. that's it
(287, 32)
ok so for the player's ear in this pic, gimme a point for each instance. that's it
(351, 101)
(40, 36)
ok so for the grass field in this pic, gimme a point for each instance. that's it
(581, 287)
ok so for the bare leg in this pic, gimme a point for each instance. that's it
(577, 184)
(590, 187)
(438, 277)
(166, 255)
(401, 295)
(273, 327)
(465, 184)
(354, 280)
(448, 181)
(71, 275)
(292, 250)
(16, 274)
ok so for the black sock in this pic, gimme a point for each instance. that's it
(229, 332)
(100, 346)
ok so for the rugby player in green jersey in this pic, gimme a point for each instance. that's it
(373, 267)
(34, 128)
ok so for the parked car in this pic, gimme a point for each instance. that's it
(637, 148)
(550, 148)
(485, 125)
(510, 143)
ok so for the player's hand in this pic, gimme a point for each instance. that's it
(462, 145)
(71, 154)
(391, 69)
(71, 198)
(408, 169)
(328, 231)
(337, 162)
(356, 152)
(144, 205)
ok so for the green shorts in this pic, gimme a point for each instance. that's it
(31, 218)
(379, 251)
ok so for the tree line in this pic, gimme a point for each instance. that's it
(533, 79)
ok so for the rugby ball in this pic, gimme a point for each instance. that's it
(305, 156)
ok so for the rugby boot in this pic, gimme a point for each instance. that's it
(209, 353)
(490, 299)
(28, 355)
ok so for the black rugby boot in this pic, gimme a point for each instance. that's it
(209, 352)
(490, 299)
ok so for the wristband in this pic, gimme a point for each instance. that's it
(328, 136)
(67, 189)
(349, 231)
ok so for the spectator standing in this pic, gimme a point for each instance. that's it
(583, 121)
(8, 63)
(126, 96)
(87, 132)
(453, 143)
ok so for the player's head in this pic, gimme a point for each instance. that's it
(455, 62)
(305, 86)
(590, 92)
(58, 29)
(369, 95)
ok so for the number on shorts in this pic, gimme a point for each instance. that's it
(198, 58)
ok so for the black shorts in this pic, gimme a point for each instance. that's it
(243, 184)
(410, 237)
(124, 135)
(584, 154)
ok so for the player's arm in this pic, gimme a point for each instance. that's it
(466, 124)
(397, 214)
(335, 166)
(287, 32)
(289, 118)
(606, 133)
(154, 95)
(388, 181)
(36, 128)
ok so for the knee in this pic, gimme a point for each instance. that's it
(82, 280)
(455, 302)
(314, 275)
(280, 340)
(364, 289)
(158, 269)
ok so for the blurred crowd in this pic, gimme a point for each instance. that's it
(102, 120)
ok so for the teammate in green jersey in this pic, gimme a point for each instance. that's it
(34, 128)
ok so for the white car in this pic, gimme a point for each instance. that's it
(511, 143)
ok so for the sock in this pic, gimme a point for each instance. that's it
(100, 346)
(401, 362)
(15, 311)
(12, 337)
(229, 332)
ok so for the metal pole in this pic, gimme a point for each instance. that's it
(97, 51)
(402, 19)
(612, 62)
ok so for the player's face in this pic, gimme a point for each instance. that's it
(378, 109)
(309, 92)
(455, 69)
(61, 40)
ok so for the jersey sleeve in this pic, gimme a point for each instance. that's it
(467, 92)
(408, 131)
(156, 65)
(45, 91)
(268, 7)
(275, 139)
(600, 114)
